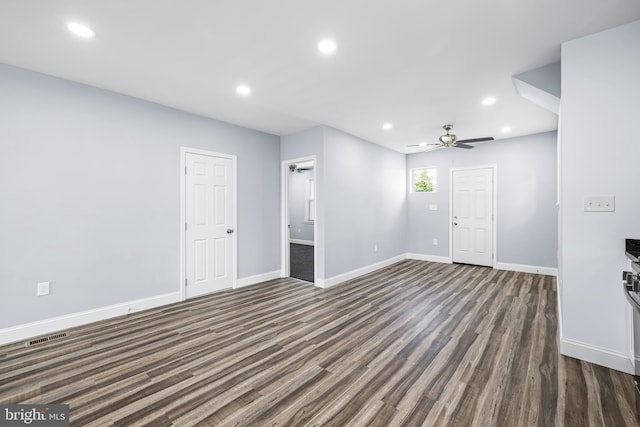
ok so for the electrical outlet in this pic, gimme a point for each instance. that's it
(43, 289)
(433, 207)
(435, 242)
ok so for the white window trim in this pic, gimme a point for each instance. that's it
(309, 196)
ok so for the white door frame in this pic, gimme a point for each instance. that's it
(285, 234)
(494, 168)
(183, 219)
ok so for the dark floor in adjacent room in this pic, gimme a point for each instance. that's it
(301, 261)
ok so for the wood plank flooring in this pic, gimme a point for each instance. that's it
(413, 344)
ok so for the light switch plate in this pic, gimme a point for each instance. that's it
(599, 204)
(43, 288)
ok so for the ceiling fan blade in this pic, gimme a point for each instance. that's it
(459, 145)
(467, 141)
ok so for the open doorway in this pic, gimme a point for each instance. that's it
(300, 219)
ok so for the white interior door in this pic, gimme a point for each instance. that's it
(472, 218)
(210, 217)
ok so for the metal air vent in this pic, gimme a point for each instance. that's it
(47, 339)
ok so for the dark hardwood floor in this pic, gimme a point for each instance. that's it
(413, 344)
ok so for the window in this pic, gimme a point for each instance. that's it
(309, 201)
(423, 180)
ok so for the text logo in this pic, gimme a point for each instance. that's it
(34, 415)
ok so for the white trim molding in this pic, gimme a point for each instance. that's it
(332, 281)
(522, 268)
(594, 354)
(302, 242)
(258, 278)
(548, 271)
(432, 258)
(54, 324)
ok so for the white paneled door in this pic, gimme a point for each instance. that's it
(209, 228)
(472, 218)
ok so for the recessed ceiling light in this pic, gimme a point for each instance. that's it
(327, 46)
(80, 30)
(489, 101)
(387, 126)
(243, 90)
(423, 144)
(506, 129)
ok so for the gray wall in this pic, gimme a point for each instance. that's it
(300, 229)
(366, 204)
(598, 152)
(526, 195)
(89, 195)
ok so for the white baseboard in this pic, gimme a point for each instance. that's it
(549, 271)
(522, 268)
(54, 324)
(432, 258)
(594, 354)
(258, 278)
(332, 281)
(302, 242)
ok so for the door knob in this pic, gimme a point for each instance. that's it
(455, 223)
(230, 230)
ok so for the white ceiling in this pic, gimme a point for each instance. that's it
(415, 63)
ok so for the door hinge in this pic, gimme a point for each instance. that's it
(185, 226)
(185, 281)
(185, 170)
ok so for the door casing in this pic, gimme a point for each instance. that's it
(285, 234)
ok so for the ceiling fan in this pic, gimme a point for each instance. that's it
(450, 140)
(300, 168)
